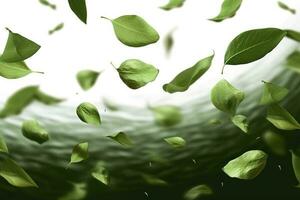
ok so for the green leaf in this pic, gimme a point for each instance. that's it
(225, 97)
(294, 35)
(173, 4)
(46, 99)
(247, 166)
(80, 152)
(281, 118)
(169, 42)
(275, 142)
(87, 78)
(176, 142)
(241, 122)
(152, 180)
(167, 115)
(122, 139)
(47, 3)
(272, 93)
(136, 74)
(14, 70)
(58, 27)
(293, 61)
(215, 122)
(3, 147)
(228, 10)
(79, 9)
(32, 130)
(110, 105)
(88, 113)
(296, 163)
(252, 45)
(286, 7)
(198, 192)
(134, 31)
(78, 192)
(15, 175)
(18, 48)
(186, 78)
(100, 173)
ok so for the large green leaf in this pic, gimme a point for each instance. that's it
(14, 70)
(32, 130)
(272, 93)
(228, 10)
(167, 115)
(80, 152)
(79, 8)
(173, 4)
(87, 78)
(88, 113)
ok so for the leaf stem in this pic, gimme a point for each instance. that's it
(105, 18)
(222, 72)
(112, 64)
(38, 72)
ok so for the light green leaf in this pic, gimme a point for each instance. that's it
(58, 27)
(15, 175)
(167, 115)
(225, 97)
(197, 192)
(14, 70)
(79, 9)
(241, 122)
(80, 152)
(281, 118)
(3, 147)
(247, 166)
(136, 74)
(47, 99)
(176, 142)
(272, 93)
(87, 78)
(18, 48)
(294, 35)
(47, 3)
(275, 142)
(296, 163)
(252, 45)
(122, 139)
(100, 173)
(286, 7)
(134, 31)
(186, 78)
(152, 180)
(32, 130)
(88, 113)
(228, 10)
(173, 4)
(293, 61)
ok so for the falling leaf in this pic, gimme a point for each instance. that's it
(88, 113)
(272, 93)
(286, 7)
(58, 27)
(176, 142)
(241, 122)
(197, 192)
(14, 70)
(47, 3)
(152, 180)
(293, 61)
(134, 31)
(80, 152)
(169, 42)
(186, 78)
(46, 99)
(87, 78)
(294, 35)
(122, 139)
(296, 163)
(3, 147)
(32, 130)
(275, 142)
(215, 121)
(228, 10)
(247, 166)
(110, 105)
(79, 9)
(78, 192)
(173, 4)
(100, 173)
(167, 115)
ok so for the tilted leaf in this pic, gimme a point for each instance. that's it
(169, 42)
(32, 130)
(136, 74)
(87, 78)
(173, 4)
(286, 7)
(241, 122)
(186, 78)
(47, 99)
(225, 97)
(3, 147)
(176, 142)
(47, 3)
(14, 70)
(281, 118)
(58, 27)
(152, 180)
(134, 31)
(79, 9)
(167, 115)
(88, 113)
(122, 139)
(197, 192)
(272, 93)
(293, 61)
(296, 163)
(100, 173)
(80, 152)
(275, 142)
(228, 10)
(294, 35)
(247, 166)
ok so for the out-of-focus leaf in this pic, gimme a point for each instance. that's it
(275, 142)
(272, 93)
(32, 130)
(78, 192)
(176, 142)
(173, 4)
(197, 192)
(286, 7)
(296, 163)
(228, 10)
(46, 99)
(152, 180)
(47, 3)
(293, 61)
(3, 146)
(58, 27)
(122, 139)
(87, 78)
(167, 115)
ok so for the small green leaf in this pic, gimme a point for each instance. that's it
(32, 130)
(15, 175)
(198, 192)
(87, 78)
(134, 31)
(186, 78)
(58, 27)
(228, 10)
(225, 97)
(122, 139)
(14, 70)
(169, 42)
(78, 192)
(46, 99)
(286, 7)
(241, 122)
(176, 142)
(294, 35)
(18, 48)
(252, 45)
(173, 4)
(80, 152)
(272, 93)
(100, 173)
(281, 118)
(296, 163)
(88, 113)
(275, 142)
(152, 180)
(47, 3)
(3, 147)
(215, 122)
(167, 115)
(79, 9)
(247, 166)
(136, 74)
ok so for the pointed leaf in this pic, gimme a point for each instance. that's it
(14, 70)
(272, 93)
(88, 113)
(228, 10)
(296, 163)
(79, 9)
(241, 122)
(87, 78)
(80, 152)
(173, 4)
(32, 130)
(3, 147)
(275, 142)
(286, 7)
(122, 139)
(167, 115)
(176, 142)
(101, 174)
(197, 192)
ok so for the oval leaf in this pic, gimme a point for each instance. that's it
(286, 7)
(228, 10)
(80, 152)
(79, 8)
(176, 142)
(87, 78)
(272, 93)
(169, 42)
(32, 130)
(275, 142)
(88, 113)
(14, 70)
(122, 139)
(241, 122)
(3, 147)
(197, 192)
(167, 115)
(173, 4)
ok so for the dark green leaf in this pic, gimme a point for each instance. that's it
(80, 152)
(87, 78)
(286, 7)
(241, 122)
(197, 192)
(58, 27)
(272, 93)
(79, 8)
(294, 35)
(167, 115)
(100, 173)
(275, 142)
(14, 70)
(46, 99)
(228, 10)
(47, 3)
(3, 147)
(173, 4)
(176, 142)
(32, 130)
(88, 113)
(122, 139)
(293, 61)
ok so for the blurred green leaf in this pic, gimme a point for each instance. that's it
(3, 147)
(152, 180)
(176, 142)
(87, 78)
(275, 142)
(228, 10)
(293, 61)
(122, 139)
(197, 192)
(167, 115)
(286, 7)
(292, 34)
(173, 4)
(58, 27)
(32, 130)
(47, 3)
(272, 93)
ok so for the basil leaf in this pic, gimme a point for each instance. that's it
(293, 61)
(58, 27)
(275, 142)
(47, 3)
(225, 97)
(294, 35)
(87, 78)
(88, 113)
(3, 147)
(186, 78)
(281, 118)
(122, 139)
(15, 175)
(79, 9)
(80, 152)
(18, 48)
(286, 7)
(32, 130)
(197, 192)
(14, 70)
(247, 166)
(173, 4)
(272, 93)
(134, 31)
(152, 180)
(46, 99)
(252, 45)
(241, 122)
(167, 115)
(296, 163)
(176, 142)
(136, 74)
(228, 10)
(100, 173)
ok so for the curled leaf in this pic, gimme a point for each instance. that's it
(80, 152)
(100, 173)
(32, 130)
(88, 113)
(228, 10)
(272, 93)
(87, 78)
(79, 8)
(176, 142)
(122, 139)
(167, 115)
(241, 122)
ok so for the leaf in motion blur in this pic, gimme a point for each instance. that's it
(32, 130)
(58, 27)
(228, 10)
(122, 138)
(286, 7)
(198, 192)
(176, 142)
(47, 3)
(173, 4)
(167, 115)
